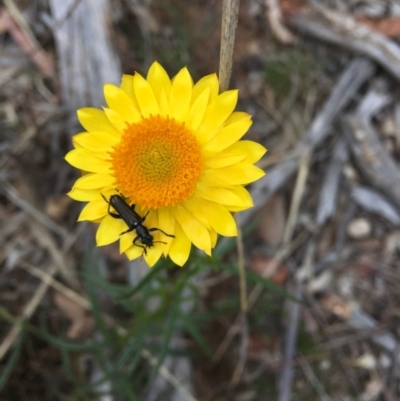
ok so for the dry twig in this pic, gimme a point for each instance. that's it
(23, 36)
(351, 80)
(28, 311)
(373, 160)
(285, 251)
(274, 17)
(297, 196)
(84, 51)
(330, 183)
(343, 30)
(286, 376)
(230, 9)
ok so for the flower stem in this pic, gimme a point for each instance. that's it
(230, 9)
(241, 268)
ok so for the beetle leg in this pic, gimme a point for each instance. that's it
(112, 214)
(129, 230)
(144, 218)
(140, 246)
(159, 229)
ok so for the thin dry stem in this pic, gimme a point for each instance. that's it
(29, 309)
(244, 307)
(241, 268)
(297, 195)
(237, 374)
(51, 281)
(281, 255)
(274, 17)
(24, 37)
(230, 10)
(30, 210)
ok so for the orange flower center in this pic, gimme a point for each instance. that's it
(157, 162)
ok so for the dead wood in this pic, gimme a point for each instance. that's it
(12, 20)
(372, 159)
(374, 202)
(86, 58)
(360, 320)
(330, 186)
(359, 71)
(274, 17)
(344, 31)
(286, 376)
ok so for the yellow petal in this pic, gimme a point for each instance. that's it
(235, 209)
(221, 220)
(97, 142)
(253, 150)
(216, 216)
(126, 241)
(151, 222)
(194, 206)
(195, 231)
(94, 120)
(133, 252)
(223, 160)
(147, 101)
(121, 103)
(83, 195)
(75, 144)
(127, 87)
(84, 160)
(116, 119)
(214, 238)
(159, 80)
(227, 136)
(93, 181)
(224, 196)
(180, 247)
(198, 109)
(109, 230)
(210, 179)
(244, 195)
(216, 114)
(164, 104)
(237, 116)
(181, 94)
(208, 82)
(238, 174)
(93, 211)
(166, 222)
(153, 254)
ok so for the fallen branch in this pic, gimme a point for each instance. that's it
(375, 163)
(344, 31)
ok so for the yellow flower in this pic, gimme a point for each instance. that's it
(172, 149)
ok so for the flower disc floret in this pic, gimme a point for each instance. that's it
(157, 163)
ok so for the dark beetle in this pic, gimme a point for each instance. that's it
(134, 221)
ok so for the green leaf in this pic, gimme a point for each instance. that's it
(173, 315)
(256, 278)
(12, 360)
(195, 333)
(145, 280)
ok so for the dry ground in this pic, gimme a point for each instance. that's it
(321, 245)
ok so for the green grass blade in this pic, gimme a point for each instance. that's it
(12, 360)
(171, 320)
